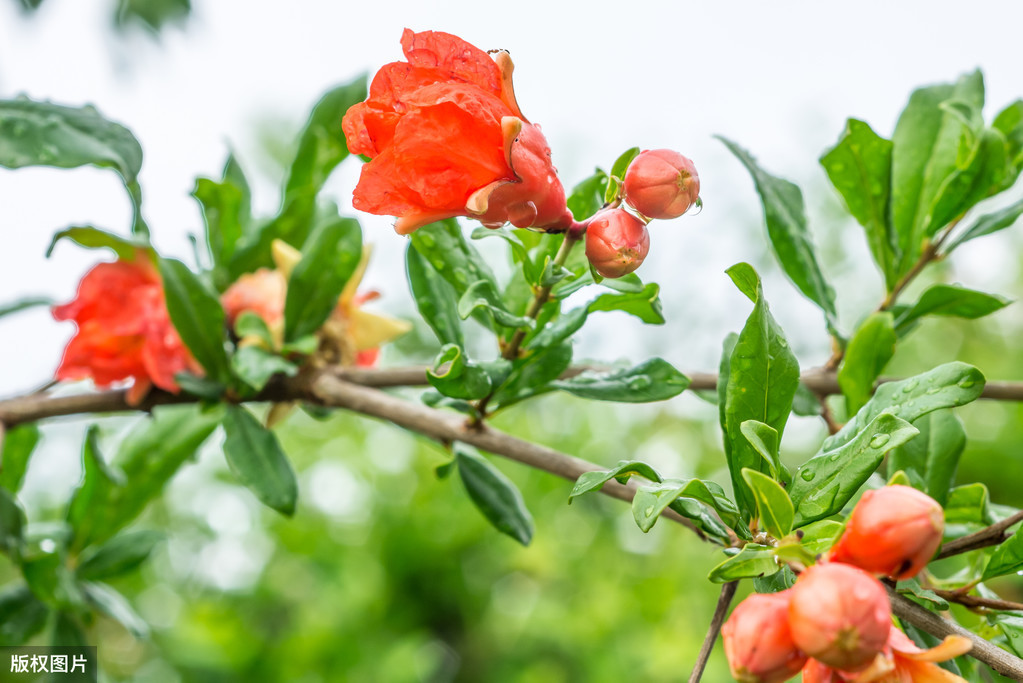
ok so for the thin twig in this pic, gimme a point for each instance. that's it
(998, 659)
(724, 600)
(977, 602)
(988, 536)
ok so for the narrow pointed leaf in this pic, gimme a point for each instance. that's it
(258, 461)
(868, 352)
(494, 495)
(653, 380)
(774, 508)
(197, 315)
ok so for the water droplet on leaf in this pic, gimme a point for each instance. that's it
(879, 440)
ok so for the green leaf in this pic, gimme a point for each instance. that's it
(533, 374)
(49, 577)
(223, 208)
(258, 462)
(969, 504)
(494, 495)
(867, 354)
(774, 508)
(644, 304)
(148, 457)
(826, 482)
(152, 14)
(774, 583)
(946, 386)
(89, 237)
(481, 296)
(24, 304)
(197, 315)
(931, 459)
(621, 165)
(746, 279)
(520, 254)
(255, 366)
(650, 502)
(752, 561)
(819, 536)
(1006, 559)
(790, 237)
(594, 481)
(765, 441)
(22, 615)
(928, 142)
(762, 379)
(117, 607)
(251, 324)
(588, 196)
(952, 300)
(322, 145)
(98, 482)
(860, 167)
(912, 589)
(454, 375)
(329, 259)
(12, 525)
(1012, 627)
(118, 556)
(34, 133)
(561, 329)
(652, 380)
(989, 223)
(982, 174)
(18, 444)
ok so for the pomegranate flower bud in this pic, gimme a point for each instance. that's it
(893, 531)
(840, 615)
(661, 184)
(758, 642)
(616, 242)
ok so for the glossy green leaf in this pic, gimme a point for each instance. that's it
(819, 536)
(774, 583)
(494, 495)
(644, 304)
(763, 375)
(22, 615)
(482, 297)
(705, 519)
(860, 167)
(751, 562)
(520, 253)
(560, 329)
(451, 255)
(36, 133)
(257, 460)
(533, 374)
(116, 606)
(764, 439)
(989, 223)
(930, 460)
(329, 258)
(785, 215)
(774, 509)
(250, 324)
(913, 590)
(118, 556)
(456, 376)
(866, 355)
(1012, 626)
(1006, 559)
(322, 145)
(969, 504)
(982, 174)
(826, 482)
(651, 501)
(952, 300)
(946, 386)
(99, 480)
(197, 315)
(255, 366)
(594, 481)
(618, 169)
(652, 380)
(222, 209)
(148, 457)
(928, 141)
(18, 444)
(587, 197)
(89, 237)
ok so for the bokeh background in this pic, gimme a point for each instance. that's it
(387, 573)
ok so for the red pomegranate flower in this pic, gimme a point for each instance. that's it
(447, 138)
(900, 662)
(124, 330)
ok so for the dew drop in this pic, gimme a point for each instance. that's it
(879, 440)
(807, 475)
(966, 383)
(909, 386)
(649, 511)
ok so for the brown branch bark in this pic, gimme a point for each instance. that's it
(724, 600)
(977, 602)
(988, 536)
(998, 659)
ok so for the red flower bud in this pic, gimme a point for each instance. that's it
(616, 242)
(446, 138)
(758, 642)
(840, 615)
(892, 531)
(661, 184)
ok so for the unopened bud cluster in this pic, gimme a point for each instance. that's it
(659, 184)
(837, 616)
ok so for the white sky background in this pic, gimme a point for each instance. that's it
(779, 78)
